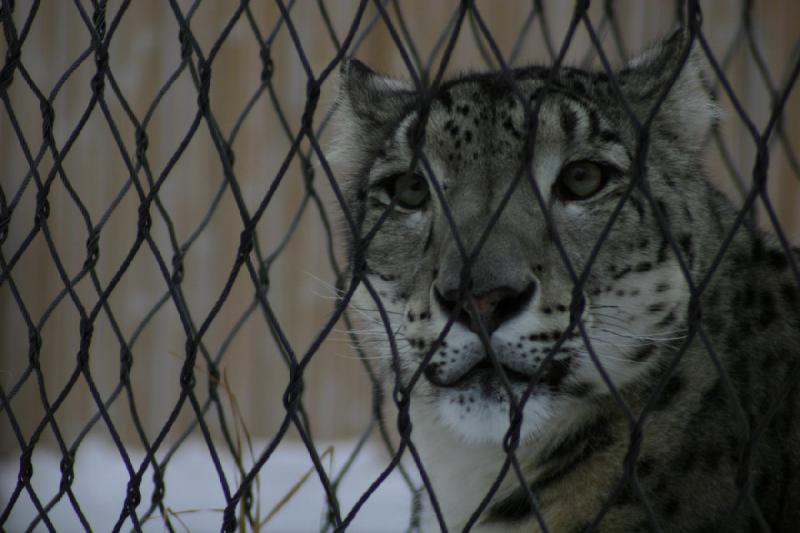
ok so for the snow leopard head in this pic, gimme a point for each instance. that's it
(481, 204)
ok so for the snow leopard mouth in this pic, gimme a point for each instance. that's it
(485, 374)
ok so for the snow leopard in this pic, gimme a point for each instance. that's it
(540, 256)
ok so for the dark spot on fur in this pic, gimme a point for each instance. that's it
(714, 397)
(685, 460)
(510, 509)
(556, 373)
(594, 124)
(446, 100)
(625, 495)
(789, 294)
(535, 94)
(745, 298)
(767, 312)
(663, 251)
(685, 242)
(671, 390)
(667, 320)
(776, 259)
(714, 324)
(583, 528)
(644, 468)
(579, 87)
(712, 456)
(672, 507)
(644, 352)
(578, 390)
(622, 273)
(569, 120)
(610, 137)
(769, 359)
(509, 127)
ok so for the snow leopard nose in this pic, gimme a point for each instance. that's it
(493, 307)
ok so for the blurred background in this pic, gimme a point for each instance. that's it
(257, 98)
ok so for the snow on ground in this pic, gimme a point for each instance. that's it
(192, 485)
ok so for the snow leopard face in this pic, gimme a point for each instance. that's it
(530, 216)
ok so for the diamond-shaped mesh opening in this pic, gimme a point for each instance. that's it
(180, 342)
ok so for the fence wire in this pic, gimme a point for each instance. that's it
(202, 364)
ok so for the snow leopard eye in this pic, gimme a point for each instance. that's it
(580, 180)
(410, 190)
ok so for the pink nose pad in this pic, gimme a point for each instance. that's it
(488, 303)
(492, 308)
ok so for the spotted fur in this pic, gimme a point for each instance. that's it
(635, 307)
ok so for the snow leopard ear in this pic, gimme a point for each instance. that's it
(368, 108)
(372, 97)
(689, 111)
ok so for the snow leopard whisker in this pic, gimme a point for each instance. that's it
(628, 367)
(365, 357)
(324, 283)
(617, 316)
(624, 324)
(601, 316)
(619, 344)
(671, 335)
(339, 293)
(368, 330)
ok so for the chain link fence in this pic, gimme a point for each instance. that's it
(87, 287)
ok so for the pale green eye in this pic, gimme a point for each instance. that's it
(411, 190)
(580, 180)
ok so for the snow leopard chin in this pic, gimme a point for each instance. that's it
(488, 423)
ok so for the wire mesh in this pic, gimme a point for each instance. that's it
(45, 169)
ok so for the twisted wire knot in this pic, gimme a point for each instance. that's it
(67, 473)
(34, 347)
(267, 66)
(92, 249)
(87, 329)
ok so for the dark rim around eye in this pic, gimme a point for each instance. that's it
(567, 193)
(410, 190)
